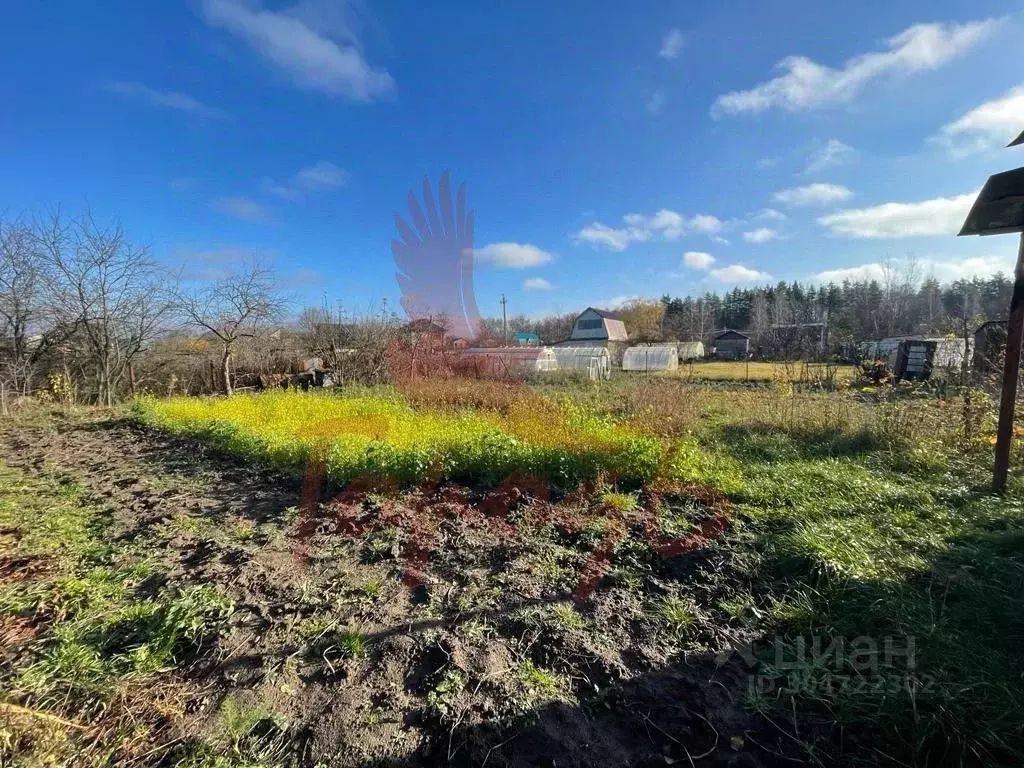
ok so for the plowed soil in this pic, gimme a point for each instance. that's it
(487, 635)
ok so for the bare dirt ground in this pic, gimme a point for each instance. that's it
(375, 641)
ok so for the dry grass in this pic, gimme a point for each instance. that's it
(741, 370)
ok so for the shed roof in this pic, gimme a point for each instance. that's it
(985, 325)
(730, 334)
(604, 313)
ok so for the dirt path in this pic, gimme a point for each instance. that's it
(488, 660)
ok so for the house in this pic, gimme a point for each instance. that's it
(598, 325)
(730, 345)
(526, 339)
(599, 328)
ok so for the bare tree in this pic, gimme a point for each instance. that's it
(240, 305)
(21, 290)
(103, 295)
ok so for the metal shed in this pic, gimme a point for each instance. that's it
(662, 357)
(593, 362)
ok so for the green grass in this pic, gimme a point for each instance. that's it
(539, 685)
(852, 551)
(93, 653)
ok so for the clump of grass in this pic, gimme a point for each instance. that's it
(538, 683)
(371, 590)
(621, 502)
(349, 643)
(679, 614)
(568, 617)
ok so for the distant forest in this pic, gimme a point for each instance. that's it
(901, 303)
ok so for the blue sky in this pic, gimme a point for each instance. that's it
(609, 149)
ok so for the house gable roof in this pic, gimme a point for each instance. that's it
(603, 313)
(728, 333)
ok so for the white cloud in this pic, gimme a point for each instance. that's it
(770, 214)
(806, 85)
(320, 176)
(762, 235)
(315, 55)
(601, 234)
(537, 284)
(242, 208)
(941, 216)
(698, 259)
(181, 102)
(988, 126)
(640, 228)
(861, 272)
(705, 224)
(512, 255)
(737, 273)
(941, 268)
(764, 163)
(656, 103)
(832, 153)
(672, 45)
(812, 194)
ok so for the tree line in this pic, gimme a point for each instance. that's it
(87, 313)
(787, 317)
(82, 304)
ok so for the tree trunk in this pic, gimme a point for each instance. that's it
(226, 370)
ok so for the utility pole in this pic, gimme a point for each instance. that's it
(504, 321)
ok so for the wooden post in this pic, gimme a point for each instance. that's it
(1011, 370)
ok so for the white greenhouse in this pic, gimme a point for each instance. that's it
(501, 361)
(690, 350)
(593, 362)
(655, 358)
